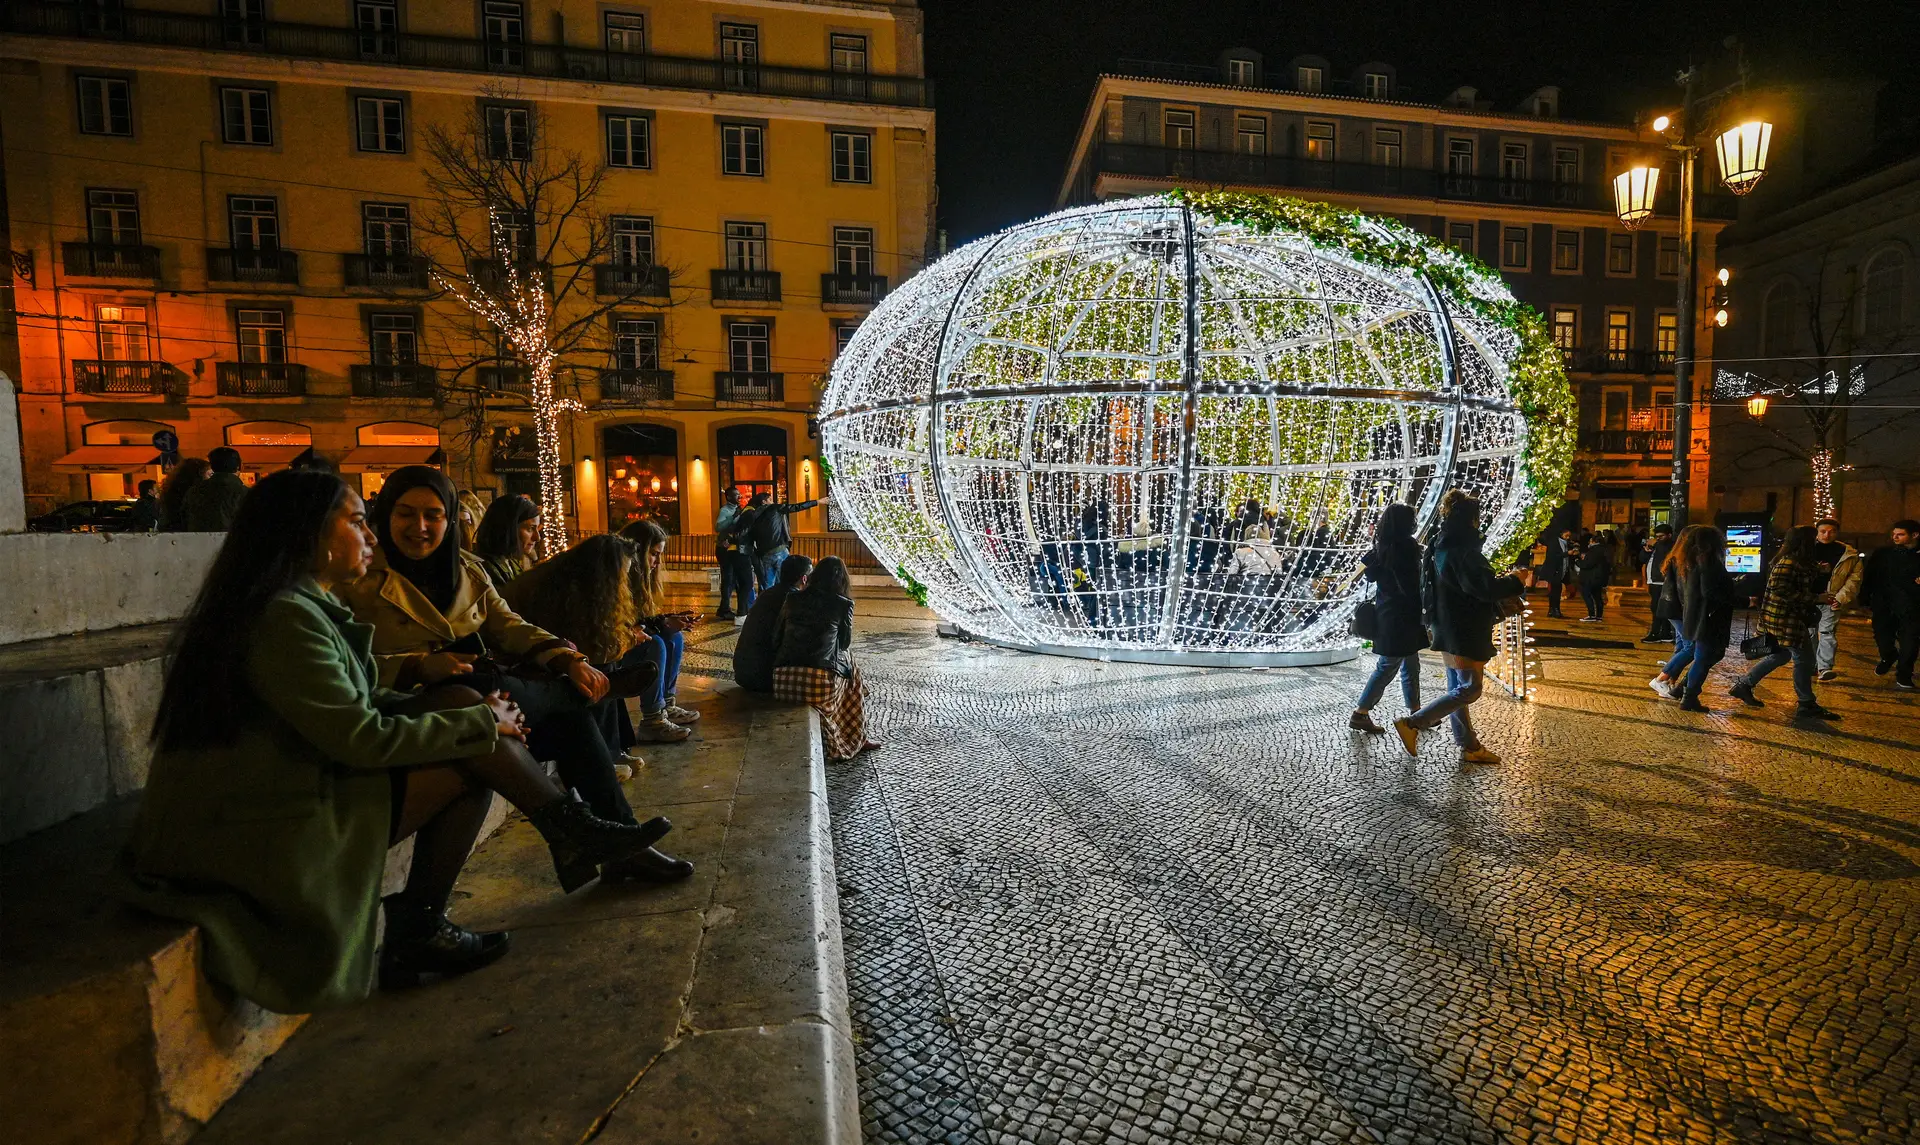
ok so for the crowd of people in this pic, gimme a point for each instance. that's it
(351, 675)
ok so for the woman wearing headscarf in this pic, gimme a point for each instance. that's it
(437, 619)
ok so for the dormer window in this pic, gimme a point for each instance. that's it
(1308, 79)
(1240, 72)
(1376, 85)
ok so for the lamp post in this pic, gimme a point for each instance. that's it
(1742, 150)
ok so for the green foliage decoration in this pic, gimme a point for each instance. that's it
(914, 588)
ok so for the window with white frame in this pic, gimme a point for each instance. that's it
(749, 349)
(504, 25)
(1566, 250)
(1513, 162)
(853, 250)
(852, 157)
(740, 52)
(847, 53)
(1513, 247)
(253, 222)
(630, 141)
(743, 149)
(1320, 142)
(246, 116)
(124, 333)
(386, 230)
(632, 239)
(636, 342)
(1250, 134)
(1619, 336)
(1566, 164)
(1388, 146)
(380, 124)
(1663, 411)
(1240, 72)
(843, 335)
(1376, 86)
(509, 133)
(1566, 332)
(106, 105)
(393, 338)
(746, 246)
(1176, 129)
(376, 24)
(244, 22)
(1460, 237)
(1308, 79)
(262, 336)
(1460, 158)
(1620, 252)
(113, 217)
(1666, 336)
(512, 234)
(626, 33)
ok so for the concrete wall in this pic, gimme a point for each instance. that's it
(75, 740)
(54, 584)
(13, 503)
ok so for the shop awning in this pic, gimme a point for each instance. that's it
(386, 458)
(268, 458)
(108, 459)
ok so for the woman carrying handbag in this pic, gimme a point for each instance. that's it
(1796, 588)
(1392, 618)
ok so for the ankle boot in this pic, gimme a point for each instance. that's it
(636, 680)
(581, 841)
(649, 866)
(421, 942)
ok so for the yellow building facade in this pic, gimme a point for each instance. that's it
(217, 210)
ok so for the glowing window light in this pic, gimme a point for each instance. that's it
(1026, 429)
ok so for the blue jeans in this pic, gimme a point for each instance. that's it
(1463, 688)
(736, 580)
(664, 651)
(1407, 666)
(1705, 656)
(1683, 653)
(1802, 656)
(770, 567)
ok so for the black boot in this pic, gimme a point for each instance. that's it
(420, 941)
(581, 841)
(649, 866)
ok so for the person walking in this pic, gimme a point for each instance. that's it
(145, 515)
(1890, 586)
(1659, 628)
(1400, 632)
(1844, 568)
(1796, 587)
(212, 503)
(1463, 600)
(173, 493)
(1596, 569)
(768, 536)
(1703, 592)
(737, 578)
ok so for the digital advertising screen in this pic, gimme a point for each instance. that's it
(1744, 547)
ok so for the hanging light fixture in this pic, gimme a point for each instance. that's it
(1757, 406)
(1633, 191)
(1743, 154)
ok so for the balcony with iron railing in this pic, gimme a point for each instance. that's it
(386, 271)
(255, 265)
(756, 387)
(1613, 360)
(1236, 168)
(625, 385)
(746, 286)
(111, 260)
(100, 376)
(490, 274)
(393, 380)
(445, 53)
(260, 379)
(1638, 442)
(630, 280)
(505, 378)
(852, 289)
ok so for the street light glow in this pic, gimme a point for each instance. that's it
(1743, 154)
(1633, 192)
(1661, 123)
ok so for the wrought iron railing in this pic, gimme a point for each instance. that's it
(261, 379)
(1638, 441)
(697, 550)
(620, 385)
(852, 289)
(506, 379)
(746, 286)
(743, 386)
(630, 280)
(111, 260)
(249, 264)
(393, 380)
(101, 376)
(386, 271)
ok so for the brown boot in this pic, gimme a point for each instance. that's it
(1363, 722)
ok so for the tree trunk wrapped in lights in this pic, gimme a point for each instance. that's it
(1054, 429)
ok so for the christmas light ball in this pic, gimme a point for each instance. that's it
(1165, 428)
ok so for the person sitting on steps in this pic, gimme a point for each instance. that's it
(283, 771)
(753, 651)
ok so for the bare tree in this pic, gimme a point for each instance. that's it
(1841, 375)
(525, 248)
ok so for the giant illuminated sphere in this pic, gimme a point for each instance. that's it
(1158, 429)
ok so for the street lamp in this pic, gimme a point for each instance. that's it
(1742, 150)
(1757, 407)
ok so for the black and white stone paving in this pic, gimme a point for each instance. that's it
(1090, 902)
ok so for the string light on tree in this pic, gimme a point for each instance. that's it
(1051, 429)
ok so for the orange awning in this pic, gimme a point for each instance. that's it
(268, 458)
(386, 458)
(108, 459)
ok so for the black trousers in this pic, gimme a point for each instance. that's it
(565, 728)
(1595, 594)
(1898, 638)
(1657, 629)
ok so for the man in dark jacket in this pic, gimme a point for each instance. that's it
(766, 532)
(145, 515)
(212, 503)
(1553, 569)
(1891, 588)
(753, 652)
(1658, 631)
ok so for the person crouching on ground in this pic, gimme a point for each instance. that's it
(1393, 565)
(437, 621)
(1466, 598)
(811, 661)
(753, 651)
(283, 771)
(1796, 588)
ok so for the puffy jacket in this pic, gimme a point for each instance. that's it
(1848, 574)
(1466, 596)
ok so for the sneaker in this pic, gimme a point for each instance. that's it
(1814, 712)
(1363, 722)
(1589, 620)
(1904, 685)
(679, 715)
(1883, 667)
(621, 771)
(1829, 674)
(656, 728)
(1409, 735)
(1662, 688)
(1478, 754)
(1743, 692)
(739, 621)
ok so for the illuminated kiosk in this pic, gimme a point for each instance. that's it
(1057, 429)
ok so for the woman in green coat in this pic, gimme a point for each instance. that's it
(283, 772)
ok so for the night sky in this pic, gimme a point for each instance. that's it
(1013, 76)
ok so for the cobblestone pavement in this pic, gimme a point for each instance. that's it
(1119, 903)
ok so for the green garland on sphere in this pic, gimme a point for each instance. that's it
(1535, 378)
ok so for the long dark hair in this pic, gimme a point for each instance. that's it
(829, 578)
(437, 575)
(498, 536)
(174, 490)
(583, 595)
(1459, 518)
(1798, 547)
(270, 547)
(1394, 529)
